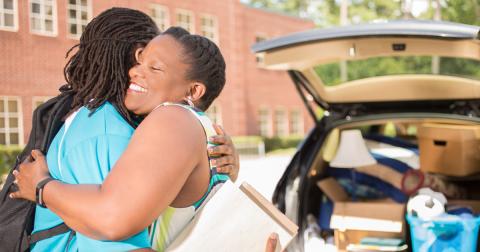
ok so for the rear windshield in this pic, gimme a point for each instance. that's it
(331, 74)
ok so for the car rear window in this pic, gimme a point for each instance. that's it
(331, 74)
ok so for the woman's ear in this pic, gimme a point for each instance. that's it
(137, 53)
(197, 90)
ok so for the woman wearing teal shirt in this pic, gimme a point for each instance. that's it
(99, 133)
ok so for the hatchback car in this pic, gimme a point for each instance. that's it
(390, 102)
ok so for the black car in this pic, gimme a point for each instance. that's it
(400, 101)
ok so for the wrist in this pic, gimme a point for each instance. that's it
(39, 195)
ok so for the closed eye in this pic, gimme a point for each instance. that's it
(156, 68)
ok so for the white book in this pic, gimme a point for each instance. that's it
(235, 219)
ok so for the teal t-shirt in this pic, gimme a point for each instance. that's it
(85, 154)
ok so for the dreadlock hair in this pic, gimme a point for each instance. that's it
(98, 71)
(206, 63)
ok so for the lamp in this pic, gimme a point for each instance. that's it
(352, 151)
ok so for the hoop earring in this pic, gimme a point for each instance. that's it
(189, 101)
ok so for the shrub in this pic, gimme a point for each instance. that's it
(8, 155)
(275, 143)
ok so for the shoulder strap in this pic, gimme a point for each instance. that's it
(44, 234)
(206, 123)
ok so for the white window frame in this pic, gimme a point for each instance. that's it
(7, 115)
(269, 123)
(214, 30)
(154, 8)
(284, 123)
(15, 17)
(188, 13)
(42, 18)
(78, 19)
(215, 116)
(300, 123)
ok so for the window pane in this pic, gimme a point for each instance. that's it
(2, 106)
(8, 4)
(14, 138)
(36, 8)
(72, 1)
(84, 15)
(73, 29)
(8, 20)
(36, 24)
(84, 2)
(72, 14)
(49, 25)
(2, 139)
(48, 10)
(2, 122)
(83, 28)
(12, 106)
(13, 122)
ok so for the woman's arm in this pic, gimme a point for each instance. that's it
(163, 152)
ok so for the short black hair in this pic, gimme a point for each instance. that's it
(98, 71)
(206, 63)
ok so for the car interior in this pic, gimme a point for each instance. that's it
(353, 203)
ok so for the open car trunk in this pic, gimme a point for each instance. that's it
(370, 201)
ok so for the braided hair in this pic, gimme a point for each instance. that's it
(206, 63)
(98, 71)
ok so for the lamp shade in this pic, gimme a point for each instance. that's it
(352, 151)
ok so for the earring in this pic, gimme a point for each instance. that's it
(189, 101)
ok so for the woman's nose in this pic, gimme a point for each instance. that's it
(136, 71)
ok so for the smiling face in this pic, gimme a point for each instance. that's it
(158, 77)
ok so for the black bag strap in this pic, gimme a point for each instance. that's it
(47, 233)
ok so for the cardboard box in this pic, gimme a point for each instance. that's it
(452, 150)
(355, 220)
(345, 238)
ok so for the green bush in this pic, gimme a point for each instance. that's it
(275, 143)
(8, 155)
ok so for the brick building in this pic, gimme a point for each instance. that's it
(36, 34)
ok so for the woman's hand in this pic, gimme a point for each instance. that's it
(225, 156)
(29, 174)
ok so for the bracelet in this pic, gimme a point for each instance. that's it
(39, 192)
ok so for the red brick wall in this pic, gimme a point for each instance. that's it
(32, 65)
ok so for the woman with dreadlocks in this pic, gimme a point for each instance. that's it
(97, 132)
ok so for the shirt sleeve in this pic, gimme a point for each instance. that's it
(90, 163)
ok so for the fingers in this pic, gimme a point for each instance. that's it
(223, 161)
(227, 169)
(15, 195)
(219, 129)
(220, 150)
(220, 139)
(272, 243)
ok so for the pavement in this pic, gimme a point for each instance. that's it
(263, 173)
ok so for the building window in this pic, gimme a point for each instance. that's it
(43, 17)
(8, 15)
(281, 125)
(185, 20)
(296, 122)
(10, 121)
(259, 38)
(39, 100)
(264, 122)
(161, 16)
(209, 27)
(215, 114)
(79, 12)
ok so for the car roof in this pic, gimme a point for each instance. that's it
(401, 28)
